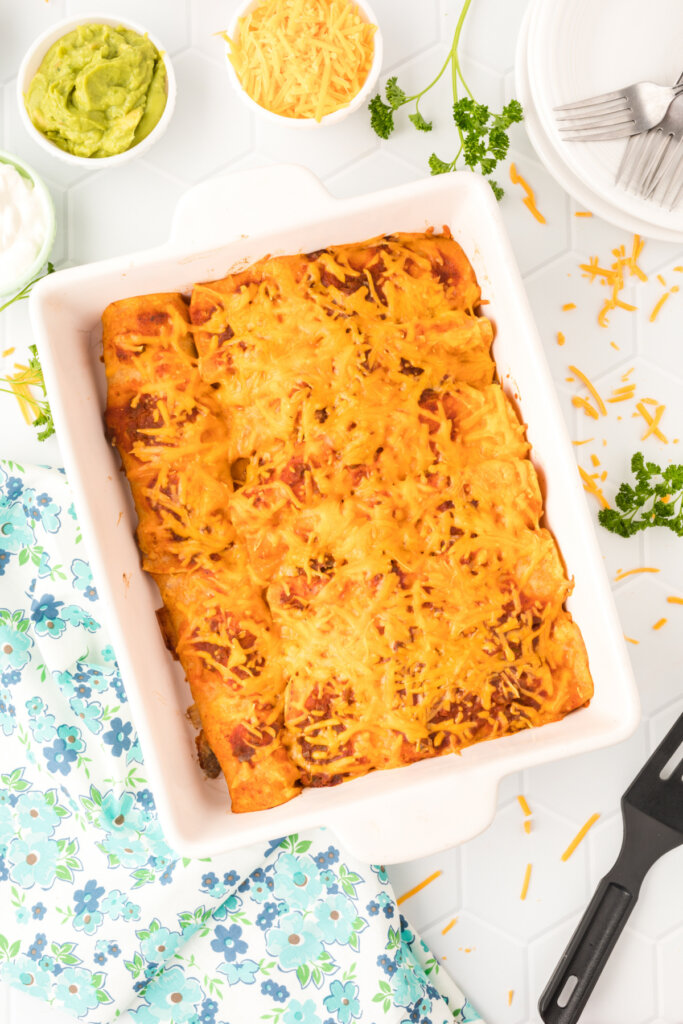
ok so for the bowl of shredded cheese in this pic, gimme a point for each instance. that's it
(304, 62)
(27, 224)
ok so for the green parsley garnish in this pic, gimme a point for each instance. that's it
(23, 294)
(655, 500)
(36, 411)
(483, 134)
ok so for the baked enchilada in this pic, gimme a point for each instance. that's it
(336, 501)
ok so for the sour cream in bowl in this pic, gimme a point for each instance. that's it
(27, 224)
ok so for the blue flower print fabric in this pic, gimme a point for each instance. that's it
(97, 914)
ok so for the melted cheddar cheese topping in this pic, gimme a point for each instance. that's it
(336, 499)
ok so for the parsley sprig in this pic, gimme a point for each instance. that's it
(24, 293)
(28, 379)
(655, 500)
(23, 385)
(483, 134)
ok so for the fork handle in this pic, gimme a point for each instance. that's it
(563, 999)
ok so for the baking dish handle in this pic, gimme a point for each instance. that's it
(245, 202)
(449, 813)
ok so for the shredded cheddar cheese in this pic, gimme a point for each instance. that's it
(583, 213)
(659, 623)
(8, 352)
(567, 306)
(529, 198)
(524, 805)
(525, 883)
(336, 500)
(675, 600)
(652, 421)
(418, 888)
(660, 302)
(591, 388)
(580, 836)
(560, 338)
(302, 59)
(630, 640)
(591, 486)
(451, 923)
(633, 572)
(527, 825)
(613, 277)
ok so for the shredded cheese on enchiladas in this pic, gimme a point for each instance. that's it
(336, 500)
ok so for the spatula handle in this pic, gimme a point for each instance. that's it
(587, 953)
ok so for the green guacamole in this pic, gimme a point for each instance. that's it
(98, 91)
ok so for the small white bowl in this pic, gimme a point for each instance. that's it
(43, 253)
(32, 61)
(361, 97)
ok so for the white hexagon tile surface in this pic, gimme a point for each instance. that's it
(501, 948)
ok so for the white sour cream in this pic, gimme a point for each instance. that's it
(23, 226)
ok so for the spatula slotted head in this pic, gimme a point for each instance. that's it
(657, 791)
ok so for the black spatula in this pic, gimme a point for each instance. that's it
(652, 809)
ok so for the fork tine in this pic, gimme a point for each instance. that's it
(592, 100)
(668, 186)
(620, 131)
(662, 173)
(625, 117)
(677, 197)
(643, 160)
(613, 107)
(658, 157)
(629, 159)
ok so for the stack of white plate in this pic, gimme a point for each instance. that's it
(572, 49)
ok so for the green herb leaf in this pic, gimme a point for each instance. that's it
(381, 117)
(419, 122)
(437, 166)
(395, 95)
(656, 500)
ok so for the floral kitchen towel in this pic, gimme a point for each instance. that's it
(97, 914)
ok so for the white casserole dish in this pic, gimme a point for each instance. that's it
(387, 816)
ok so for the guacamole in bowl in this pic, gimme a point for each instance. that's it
(99, 90)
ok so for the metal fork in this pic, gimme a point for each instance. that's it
(614, 115)
(651, 163)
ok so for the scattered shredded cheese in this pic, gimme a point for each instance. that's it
(580, 836)
(659, 623)
(560, 338)
(660, 302)
(525, 883)
(449, 925)
(568, 305)
(524, 805)
(583, 213)
(512, 991)
(8, 352)
(529, 199)
(675, 600)
(587, 441)
(302, 60)
(632, 572)
(630, 640)
(417, 888)
(591, 388)
(527, 825)
(595, 460)
(652, 421)
(612, 277)
(590, 485)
